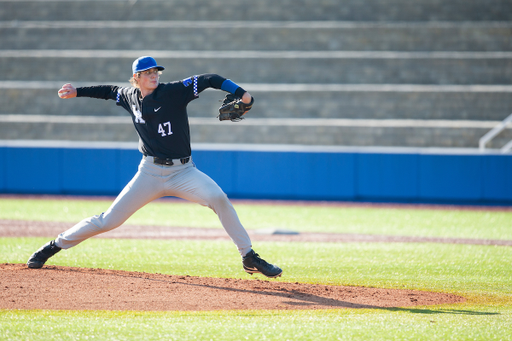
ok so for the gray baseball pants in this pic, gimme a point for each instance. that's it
(154, 181)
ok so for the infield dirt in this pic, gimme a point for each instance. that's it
(57, 287)
(68, 288)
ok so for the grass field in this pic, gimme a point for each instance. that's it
(482, 274)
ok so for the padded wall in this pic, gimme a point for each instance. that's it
(345, 176)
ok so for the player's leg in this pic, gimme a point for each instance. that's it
(193, 185)
(142, 189)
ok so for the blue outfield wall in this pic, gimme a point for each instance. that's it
(341, 175)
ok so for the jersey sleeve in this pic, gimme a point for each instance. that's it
(197, 84)
(124, 96)
(127, 99)
(99, 91)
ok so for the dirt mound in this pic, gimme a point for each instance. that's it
(68, 288)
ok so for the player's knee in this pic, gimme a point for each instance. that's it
(106, 222)
(217, 198)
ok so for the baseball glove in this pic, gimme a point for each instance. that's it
(233, 108)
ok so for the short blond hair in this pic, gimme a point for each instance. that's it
(133, 81)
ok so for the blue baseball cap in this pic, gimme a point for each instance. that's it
(145, 63)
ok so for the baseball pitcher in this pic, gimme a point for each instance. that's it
(159, 114)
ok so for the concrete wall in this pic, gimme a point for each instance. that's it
(445, 62)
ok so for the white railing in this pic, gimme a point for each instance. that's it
(492, 134)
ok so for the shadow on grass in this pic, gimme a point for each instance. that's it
(308, 299)
(438, 311)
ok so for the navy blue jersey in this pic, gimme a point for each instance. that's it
(161, 118)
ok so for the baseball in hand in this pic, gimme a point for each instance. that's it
(67, 91)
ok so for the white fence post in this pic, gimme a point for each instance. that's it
(493, 132)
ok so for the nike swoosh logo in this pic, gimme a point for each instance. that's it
(157, 109)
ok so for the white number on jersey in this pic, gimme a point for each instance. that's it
(165, 129)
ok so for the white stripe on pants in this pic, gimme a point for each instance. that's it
(155, 181)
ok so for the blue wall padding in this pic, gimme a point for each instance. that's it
(497, 183)
(128, 165)
(89, 171)
(382, 176)
(267, 175)
(32, 170)
(215, 164)
(347, 176)
(451, 177)
(336, 170)
(3, 169)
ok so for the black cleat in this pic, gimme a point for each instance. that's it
(37, 260)
(254, 264)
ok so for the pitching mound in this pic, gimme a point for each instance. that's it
(57, 287)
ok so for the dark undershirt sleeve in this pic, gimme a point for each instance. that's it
(211, 80)
(99, 91)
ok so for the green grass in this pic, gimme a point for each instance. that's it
(399, 221)
(483, 274)
(481, 323)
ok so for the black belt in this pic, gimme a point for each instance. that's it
(168, 161)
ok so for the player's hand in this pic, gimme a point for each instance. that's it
(67, 91)
(246, 98)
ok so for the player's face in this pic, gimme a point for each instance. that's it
(148, 80)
